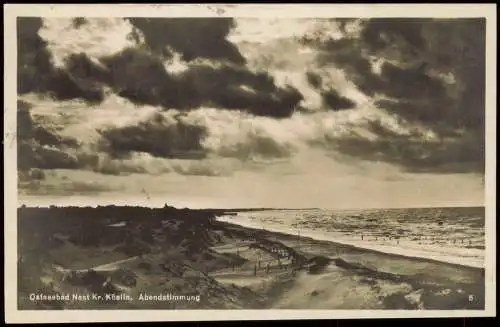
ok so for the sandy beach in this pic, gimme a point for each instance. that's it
(186, 259)
(423, 246)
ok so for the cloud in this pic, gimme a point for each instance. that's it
(77, 64)
(206, 167)
(34, 61)
(160, 135)
(335, 101)
(30, 175)
(417, 155)
(200, 134)
(425, 71)
(257, 144)
(330, 97)
(235, 88)
(62, 187)
(117, 137)
(38, 71)
(37, 145)
(414, 55)
(192, 37)
(135, 162)
(140, 76)
(410, 83)
(31, 154)
(165, 98)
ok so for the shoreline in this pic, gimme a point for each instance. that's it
(382, 249)
(131, 251)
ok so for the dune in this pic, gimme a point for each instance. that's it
(167, 258)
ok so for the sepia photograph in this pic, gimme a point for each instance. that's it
(237, 157)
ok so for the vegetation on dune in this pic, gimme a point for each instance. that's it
(112, 249)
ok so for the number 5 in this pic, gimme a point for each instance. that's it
(471, 297)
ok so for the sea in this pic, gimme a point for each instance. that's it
(454, 234)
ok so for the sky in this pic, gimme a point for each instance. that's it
(245, 112)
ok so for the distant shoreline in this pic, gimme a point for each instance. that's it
(246, 209)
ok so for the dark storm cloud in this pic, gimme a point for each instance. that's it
(419, 46)
(139, 75)
(231, 87)
(38, 146)
(34, 66)
(450, 153)
(416, 54)
(34, 155)
(411, 83)
(346, 55)
(331, 97)
(335, 101)
(28, 129)
(192, 37)
(36, 72)
(156, 136)
(458, 155)
(379, 34)
(394, 81)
